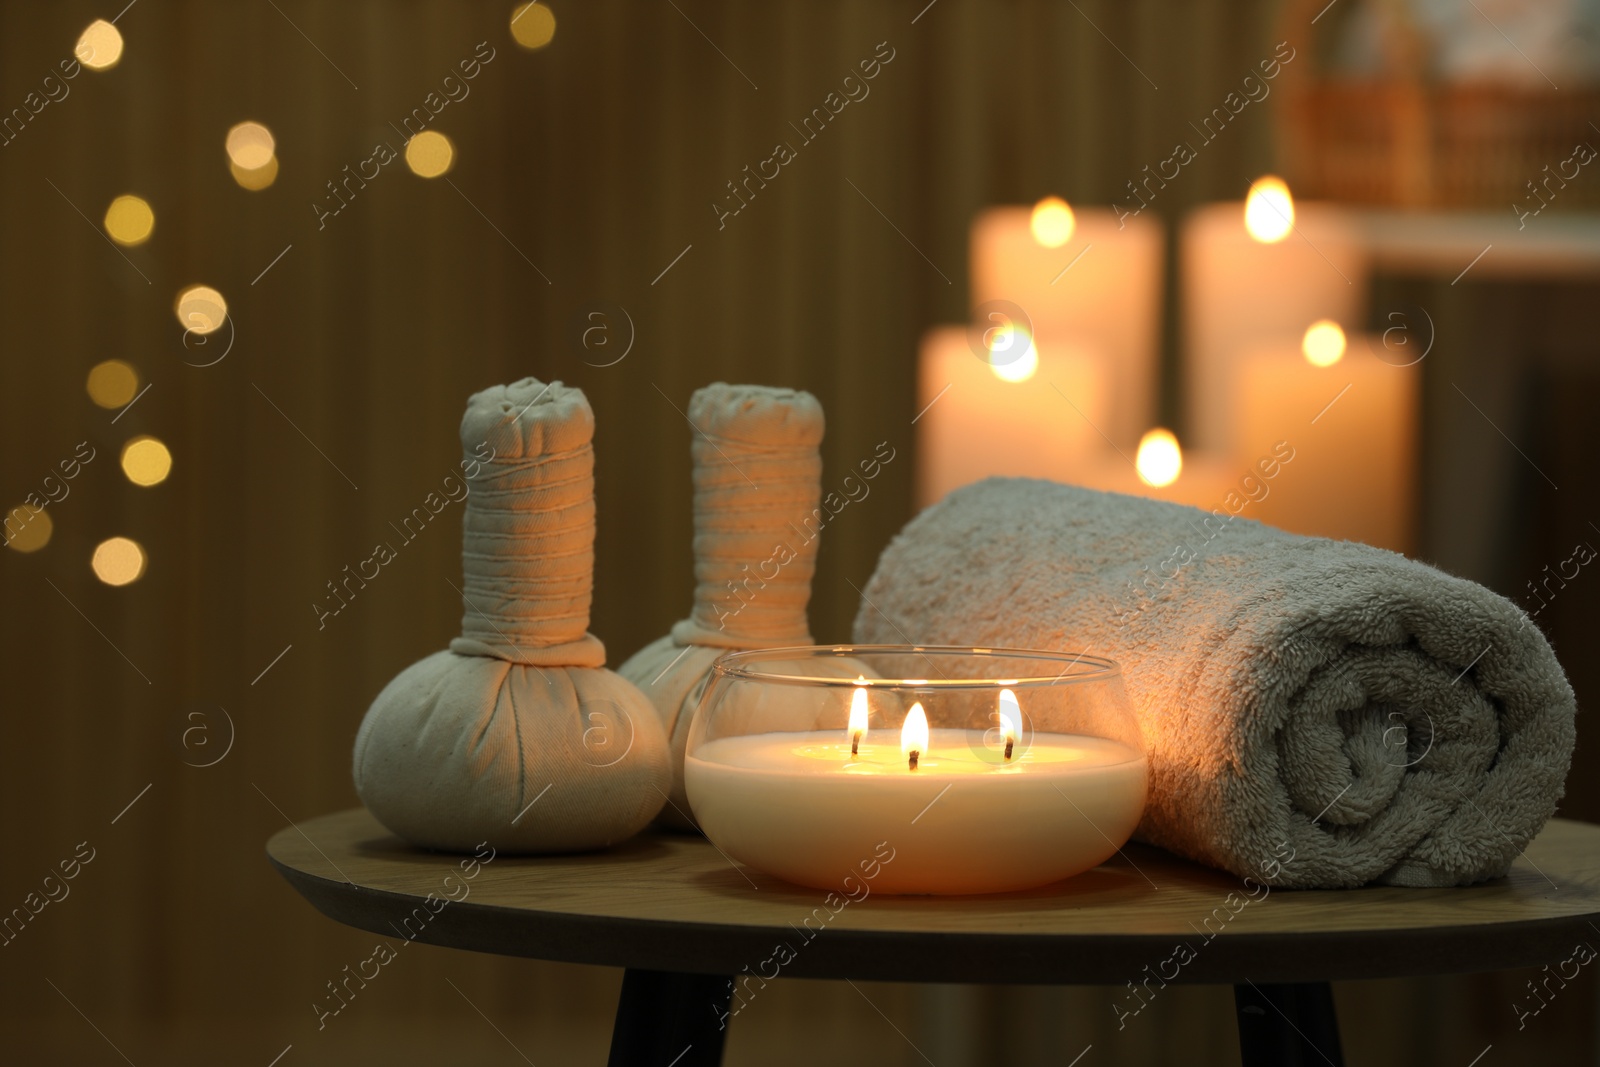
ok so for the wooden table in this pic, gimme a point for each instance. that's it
(694, 930)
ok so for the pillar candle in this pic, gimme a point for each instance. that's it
(1240, 294)
(1353, 430)
(975, 424)
(1098, 292)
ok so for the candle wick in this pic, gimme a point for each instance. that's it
(914, 755)
(855, 744)
(1009, 743)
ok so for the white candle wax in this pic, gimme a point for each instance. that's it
(798, 806)
(975, 424)
(1098, 293)
(1353, 476)
(1240, 293)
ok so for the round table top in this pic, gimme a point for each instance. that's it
(672, 902)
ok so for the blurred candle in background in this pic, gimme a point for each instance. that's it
(1256, 275)
(1087, 287)
(1351, 419)
(996, 402)
(1160, 469)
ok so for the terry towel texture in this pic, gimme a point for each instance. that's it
(1390, 722)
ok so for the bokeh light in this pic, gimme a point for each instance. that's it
(255, 180)
(112, 383)
(27, 528)
(533, 25)
(250, 145)
(1323, 344)
(146, 461)
(129, 220)
(1052, 222)
(1269, 210)
(1012, 356)
(118, 561)
(201, 309)
(99, 45)
(1160, 460)
(429, 154)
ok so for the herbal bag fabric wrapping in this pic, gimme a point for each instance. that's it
(1389, 722)
(517, 735)
(757, 487)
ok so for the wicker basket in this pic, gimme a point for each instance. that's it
(1405, 142)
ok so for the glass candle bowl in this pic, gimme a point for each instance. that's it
(916, 769)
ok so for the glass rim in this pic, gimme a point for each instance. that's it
(1092, 668)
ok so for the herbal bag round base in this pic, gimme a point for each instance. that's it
(517, 735)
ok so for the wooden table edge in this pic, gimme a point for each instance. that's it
(954, 957)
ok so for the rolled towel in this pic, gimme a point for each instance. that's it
(1387, 721)
(517, 734)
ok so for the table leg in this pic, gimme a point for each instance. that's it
(670, 1020)
(1287, 1025)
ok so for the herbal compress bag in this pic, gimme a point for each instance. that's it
(517, 734)
(757, 491)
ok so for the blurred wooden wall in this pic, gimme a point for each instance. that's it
(583, 170)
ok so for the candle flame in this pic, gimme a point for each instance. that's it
(858, 714)
(1269, 210)
(1323, 344)
(1052, 222)
(1012, 356)
(914, 734)
(1160, 460)
(1010, 719)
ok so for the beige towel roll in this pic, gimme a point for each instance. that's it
(517, 735)
(1384, 720)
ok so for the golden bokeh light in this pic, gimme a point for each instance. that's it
(257, 179)
(429, 154)
(250, 146)
(533, 25)
(146, 461)
(129, 220)
(118, 561)
(112, 383)
(1012, 355)
(1052, 222)
(99, 45)
(1324, 343)
(1269, 210)
(201, 309)
(1160, 460)
(27, 528)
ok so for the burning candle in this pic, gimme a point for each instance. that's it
(1088, 284)
(964, 813)
(1162, 470)
(858, 720)
(996, 401)
(1350, 419)
(1257, 274)
(1010, 720)
(914, 735)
